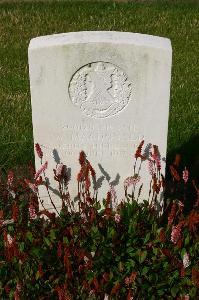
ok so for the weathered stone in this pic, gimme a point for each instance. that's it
(101, 92)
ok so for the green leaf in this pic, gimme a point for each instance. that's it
(174, 291)
(11, 294)
(147, 238)
(111, 232)
(111, 275)
(165, 265)
(160, 292)
(37, 276)
(90, 276)
(52, 235)
(145, 270)
(155, 251)
(129, 265)
(183, 251)
(187, 240)
(29, 236)
(142, 256)
(36, 252)
(21, 246)
(65, 240)
(193, 292)
(47, 241)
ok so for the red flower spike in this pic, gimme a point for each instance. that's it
(82, 158)
(67, 264)
(93, 173)
(139, 150)
(195, 277)
(62, 292)
(193, 221)
(38, 150)
(87, 183)
(85, 285)
(59, 249)
(16, 295)
(156, 157)
(80, 176)
(162, 237)
(106, 276)
(96, 284)
(108, 199)
(172, 214)
(163, 181)
(132, 277)
(92, 215)
(40, 270)
(166, 252)
(182, 272)
(115, 289)
(174, 173)
(15, 212)
(179, 243)
(7, 289)
(129, 296)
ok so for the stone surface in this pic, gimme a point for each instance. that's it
(101, 92)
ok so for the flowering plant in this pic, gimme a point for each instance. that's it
(96, 250)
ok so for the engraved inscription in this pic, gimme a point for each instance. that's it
(100, 141)
(100, 89)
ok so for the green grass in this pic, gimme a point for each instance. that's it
(19, 22)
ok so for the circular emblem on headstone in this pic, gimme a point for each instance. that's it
(100, 89)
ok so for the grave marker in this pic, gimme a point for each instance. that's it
(101, 92)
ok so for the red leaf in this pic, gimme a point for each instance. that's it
(115, 289)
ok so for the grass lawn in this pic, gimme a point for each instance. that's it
(19, 22)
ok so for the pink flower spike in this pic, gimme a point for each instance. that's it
(10, 178)
(32, 212)
(18, 287)
(117, 218)
(127, 281)
(9, 240)
(41, 170)
(180, 205)
(151, 167)
(132, 180)
(38, 150)
(186, 261)
(59, 169)
(176, 233)
(113, 197)
(185, 175)
(6, 222)
(32, 186)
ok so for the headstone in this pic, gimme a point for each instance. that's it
(101, 92)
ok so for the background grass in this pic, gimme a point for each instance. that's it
(19, 22)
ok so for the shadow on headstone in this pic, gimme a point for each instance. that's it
(56, 156)
(98, 183)
(108, 177)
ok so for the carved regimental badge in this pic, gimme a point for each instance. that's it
(100, 89)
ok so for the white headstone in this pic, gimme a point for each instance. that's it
(101, 92)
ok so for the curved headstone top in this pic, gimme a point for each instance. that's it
(101, 92)
(114, 37)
